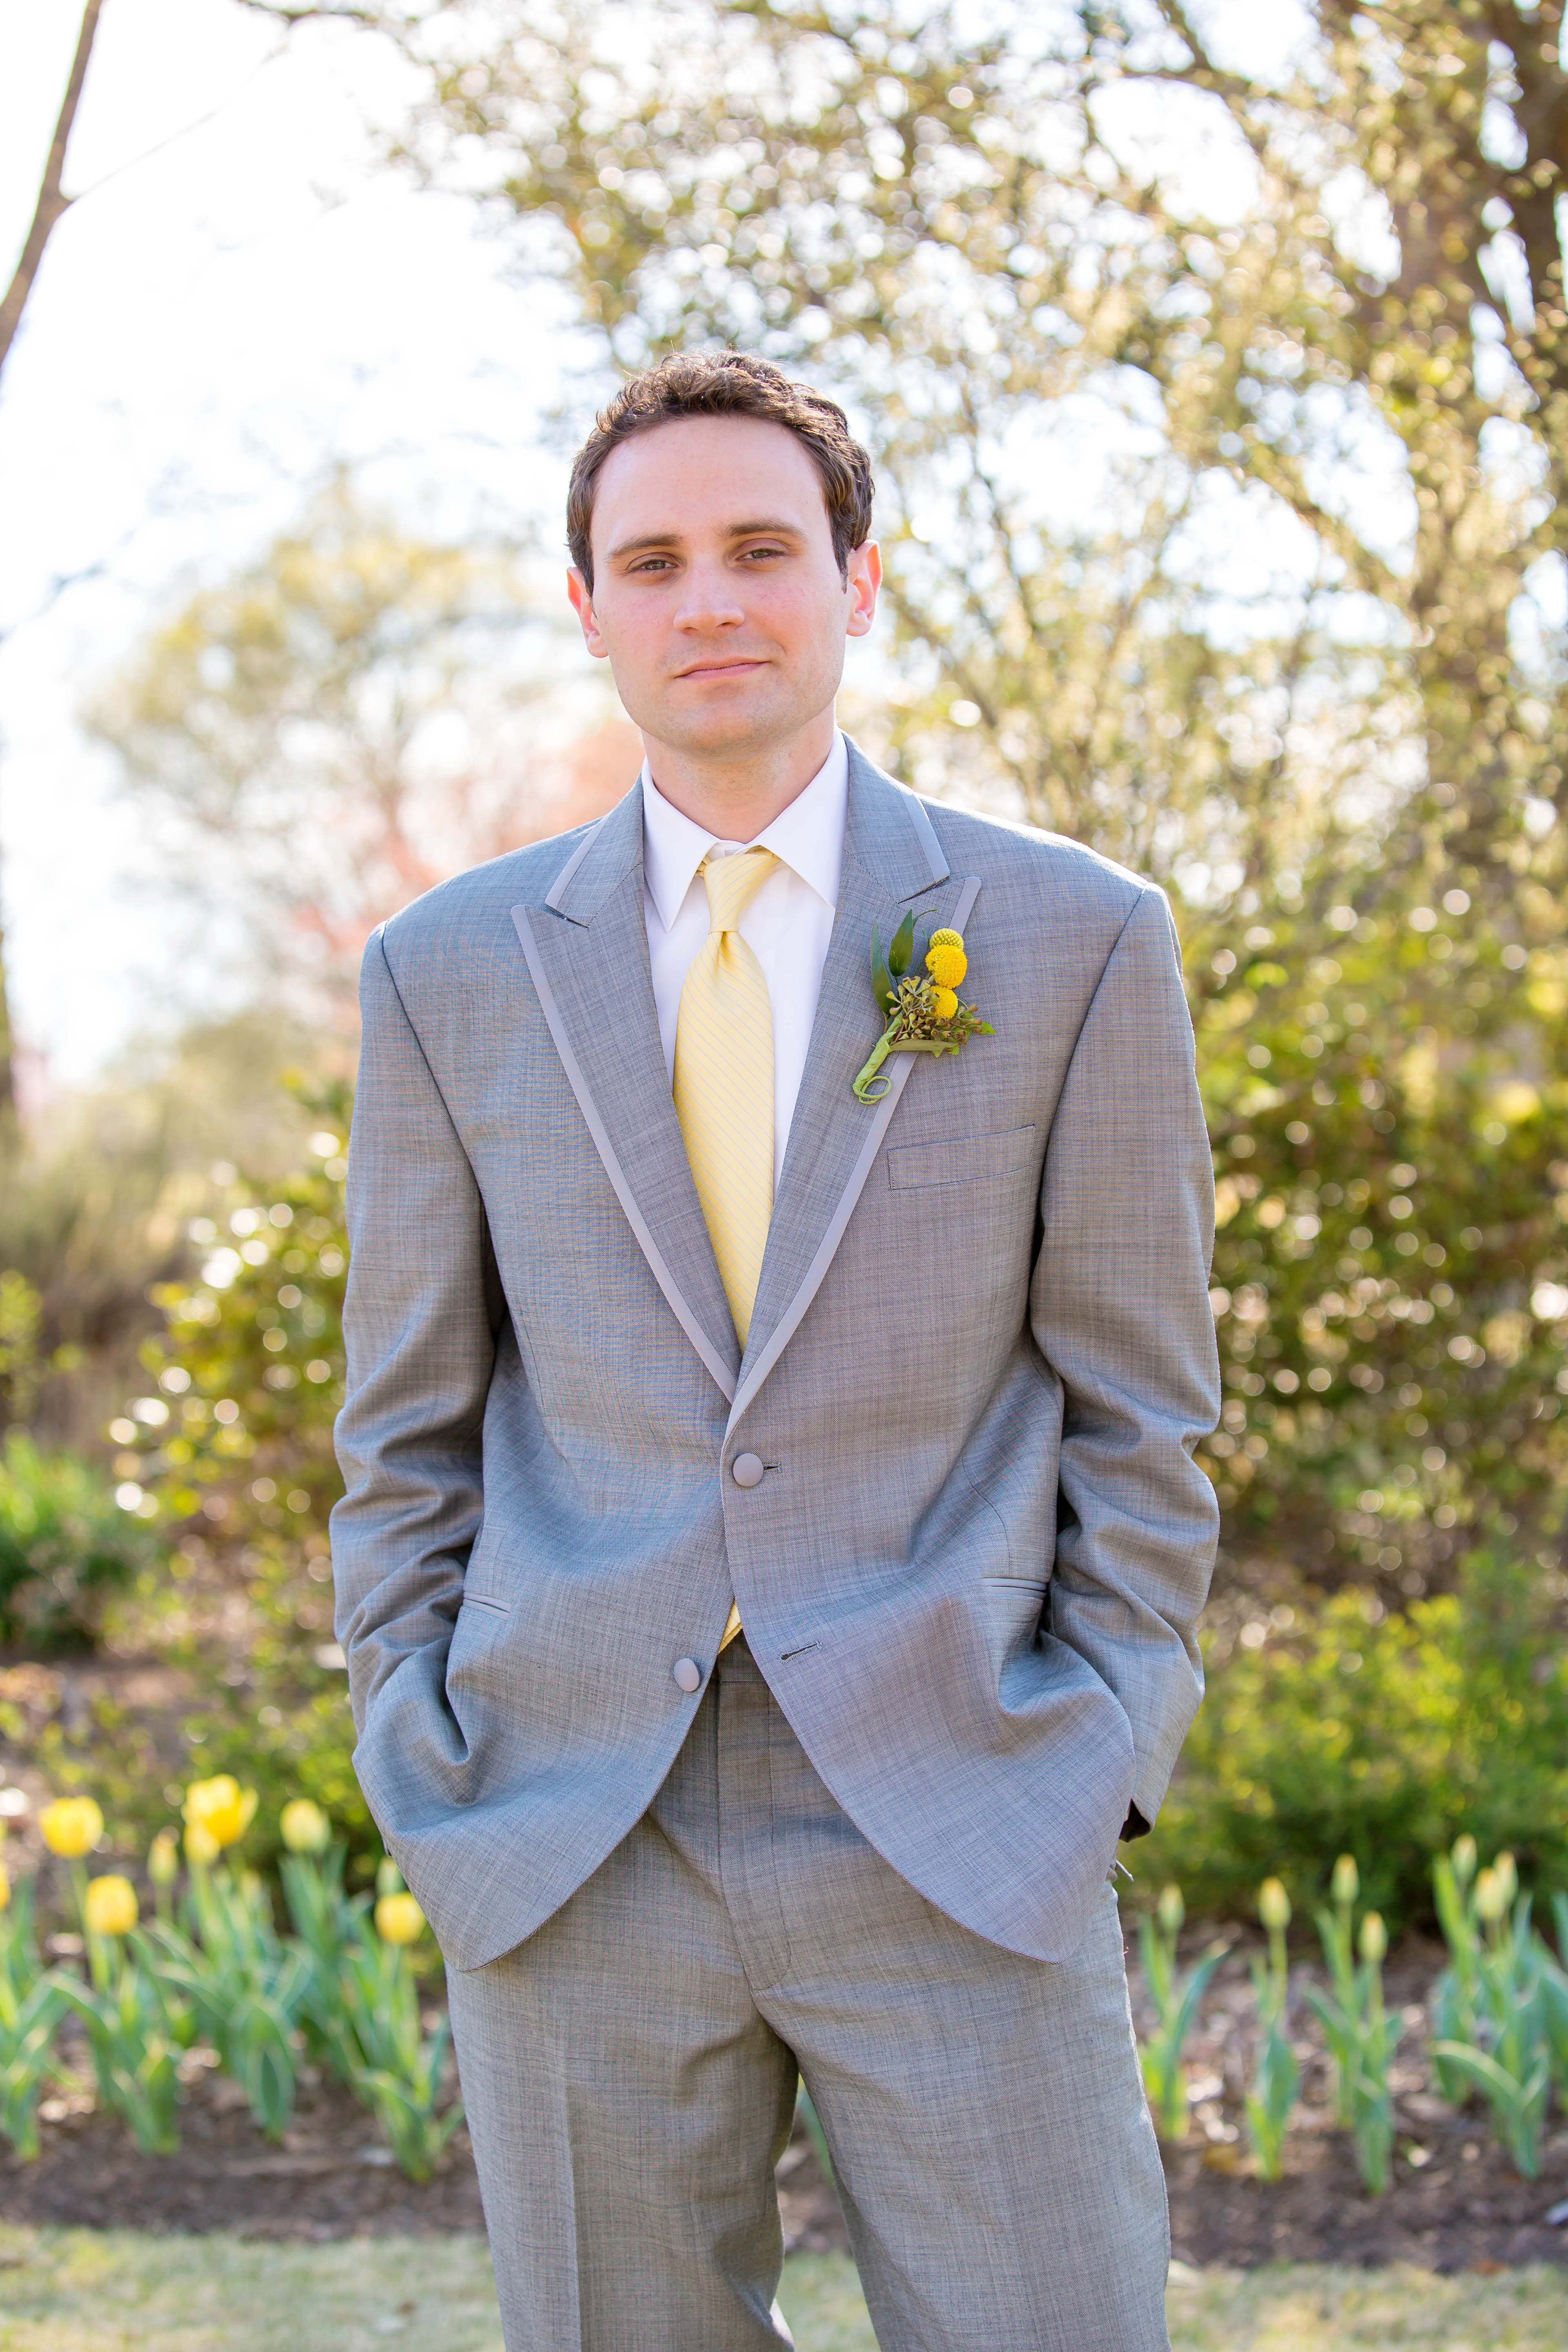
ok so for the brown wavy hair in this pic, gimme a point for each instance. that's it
(728, 384)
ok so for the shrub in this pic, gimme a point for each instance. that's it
(1380, 1735)
(64, 1546)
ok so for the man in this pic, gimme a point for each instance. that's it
(772, 1542)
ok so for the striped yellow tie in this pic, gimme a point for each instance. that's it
(724, 1088)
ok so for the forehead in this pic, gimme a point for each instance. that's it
(700, 478)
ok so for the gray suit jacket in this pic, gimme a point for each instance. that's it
(981, 1356)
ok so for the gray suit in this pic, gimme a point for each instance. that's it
(981, 1354)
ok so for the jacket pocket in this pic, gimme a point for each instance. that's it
(1018, 1583)
(961, 1160)
(481, 1600)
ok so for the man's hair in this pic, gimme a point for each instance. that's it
(728, 384)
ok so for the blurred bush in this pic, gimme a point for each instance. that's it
(65, 1546)
(1382, 1734)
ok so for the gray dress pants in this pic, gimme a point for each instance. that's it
(630, 2077)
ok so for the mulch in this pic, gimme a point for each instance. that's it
(1459, 2207)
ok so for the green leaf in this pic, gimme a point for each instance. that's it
(881, 977)
(899, 954)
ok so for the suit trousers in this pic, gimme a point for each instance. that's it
(630, 2073)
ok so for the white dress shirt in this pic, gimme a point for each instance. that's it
(787, 924)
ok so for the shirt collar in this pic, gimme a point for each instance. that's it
(808, 837)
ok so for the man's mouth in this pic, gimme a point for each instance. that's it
(731, 667)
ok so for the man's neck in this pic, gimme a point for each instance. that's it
(737, 797)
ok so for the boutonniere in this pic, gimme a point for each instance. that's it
(921, 1009)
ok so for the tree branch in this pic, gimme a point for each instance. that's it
(51, 203)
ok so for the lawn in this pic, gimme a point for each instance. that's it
(80, 2291)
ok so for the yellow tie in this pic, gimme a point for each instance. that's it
(724, 1088)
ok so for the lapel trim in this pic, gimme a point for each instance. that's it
(575, 898)
(789, 1322)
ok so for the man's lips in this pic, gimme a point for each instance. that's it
(730, 666)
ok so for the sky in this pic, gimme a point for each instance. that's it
(245, 299)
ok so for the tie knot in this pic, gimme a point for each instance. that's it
(732, 884)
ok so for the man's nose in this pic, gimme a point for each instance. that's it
(709, 600)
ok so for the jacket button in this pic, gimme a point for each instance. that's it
(688, 1675)
(747, 1470)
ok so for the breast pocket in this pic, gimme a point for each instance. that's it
(961, 1160)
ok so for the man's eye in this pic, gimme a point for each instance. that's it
(765, 552)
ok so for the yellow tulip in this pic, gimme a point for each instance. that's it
(1172, 1909)
(1346, 1881)
(71, 1827)
(1274, 1906)
(201, 1849)
(399, 1919)
(221, 1807)
(164, 1859)
(1374, 1938)
(109, 1906)
(305, 1828)
(5, 1887)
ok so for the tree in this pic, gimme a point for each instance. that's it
(329, 731)
(1223, 524)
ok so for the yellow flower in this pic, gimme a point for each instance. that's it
(1374, 1938)
(946, 965)
(1273, 1906)
(399, 1919)
(946, 938)
(71, 1827)
(201, 1847)
(305, 1828)
(5, 1887)
(1170, 1908)
(164, 1859)
(943, 1003)
(108, 1906)
(221, 1807)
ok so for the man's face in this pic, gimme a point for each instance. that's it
(717, 597)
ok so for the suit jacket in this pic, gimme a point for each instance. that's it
(981, 1356)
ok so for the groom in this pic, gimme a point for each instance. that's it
(772, 1542)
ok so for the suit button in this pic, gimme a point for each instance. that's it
(688, 1675)
(747, 1470)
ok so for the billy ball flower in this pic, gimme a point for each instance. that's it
(943, 1002)
(108, 1906)
(221, 1807)
(945, 960)
(71, 1827)
(304, 1827)
(399, 1919)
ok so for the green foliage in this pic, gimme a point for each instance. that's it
(1358, 1730)
(31, 2001)
(233, 1448)
(64, 1546)
(1176, 2002)
(135, 2032)
(228, 1965)
(1361, 2036)
(1277, 2075)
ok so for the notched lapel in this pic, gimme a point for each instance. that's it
(892, 864)
(588, 956)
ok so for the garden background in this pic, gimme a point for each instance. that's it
(1215, 363)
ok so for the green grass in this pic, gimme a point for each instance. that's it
(77, 2291)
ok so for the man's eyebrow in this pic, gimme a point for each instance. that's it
(673, 537)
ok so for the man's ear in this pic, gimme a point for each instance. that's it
(863, 579)
(581, 597)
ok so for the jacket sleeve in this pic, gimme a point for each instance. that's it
(420, 1323)
(1120, 1310)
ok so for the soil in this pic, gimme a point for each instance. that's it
(1454, 2204)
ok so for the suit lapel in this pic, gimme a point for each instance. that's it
(891, 861)
(586, 947)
